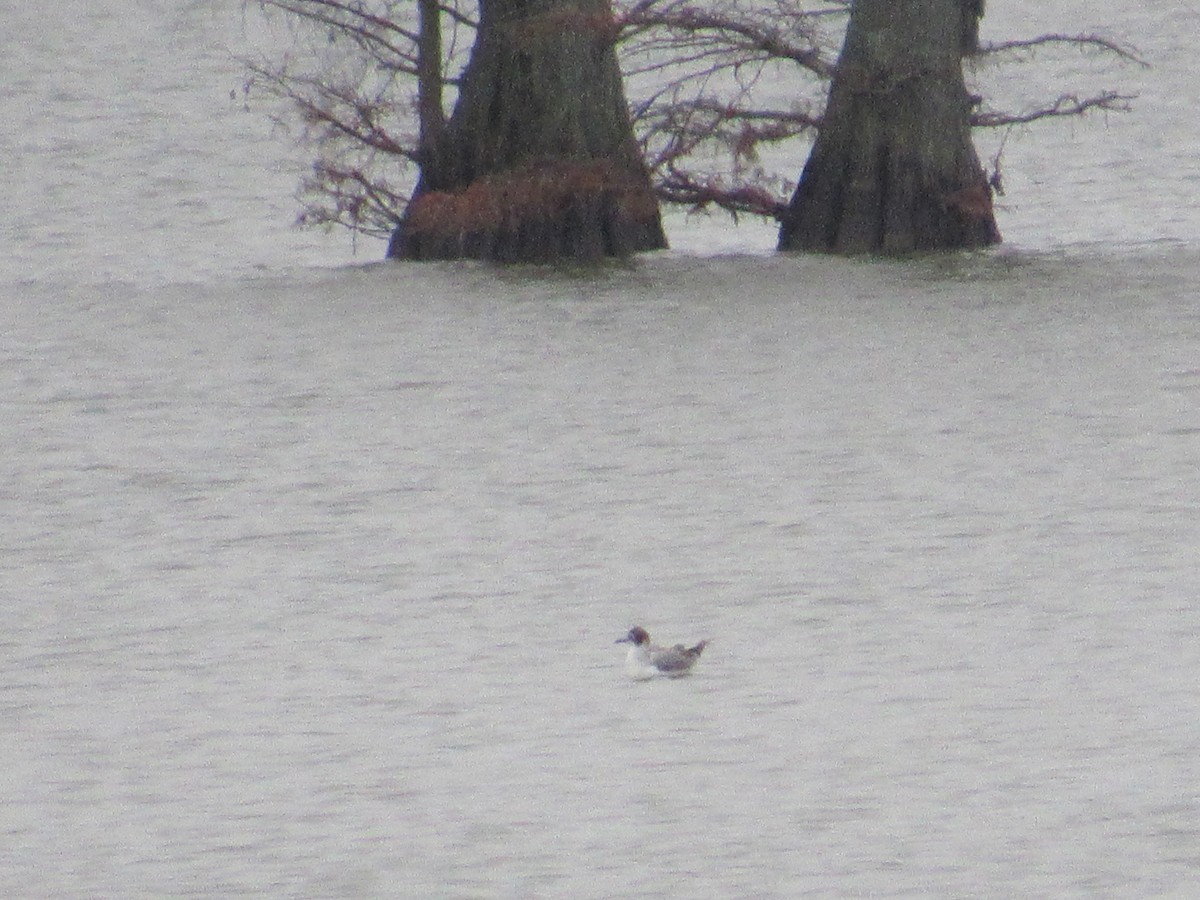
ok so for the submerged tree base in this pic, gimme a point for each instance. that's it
(876, 199)
(579, 211)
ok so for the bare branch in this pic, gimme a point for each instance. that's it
(1080, 41)
(684, 188)
(1064, 105)
(781, 34)
(337, 111)
(340, 15)
(797, 120)
(348, 196)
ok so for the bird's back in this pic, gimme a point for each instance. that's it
(677, 659)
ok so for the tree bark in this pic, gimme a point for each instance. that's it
(538, 161)
(893, 169)
(431, 117)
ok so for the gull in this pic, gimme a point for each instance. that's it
(647, 661)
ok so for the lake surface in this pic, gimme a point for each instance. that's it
(313, 565)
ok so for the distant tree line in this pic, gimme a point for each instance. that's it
(530, 130)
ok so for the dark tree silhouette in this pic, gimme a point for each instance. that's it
(538, 161)
(893, 168)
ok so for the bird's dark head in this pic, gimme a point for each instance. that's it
(637, 635)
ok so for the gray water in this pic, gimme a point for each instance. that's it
(313, 565)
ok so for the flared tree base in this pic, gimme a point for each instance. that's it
(859, 201)
(574, 211)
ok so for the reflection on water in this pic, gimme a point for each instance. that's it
(314, 582)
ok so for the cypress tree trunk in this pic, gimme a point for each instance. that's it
(538, 161)
(893, 169)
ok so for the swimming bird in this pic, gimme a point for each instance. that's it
(644, 660)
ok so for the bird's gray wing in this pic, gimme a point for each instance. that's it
(672, 659)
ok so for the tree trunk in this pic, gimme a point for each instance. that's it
(893, 169)
(538, 161)
(430, 115)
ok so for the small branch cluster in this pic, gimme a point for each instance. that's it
(335, 195)
(698, 75)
